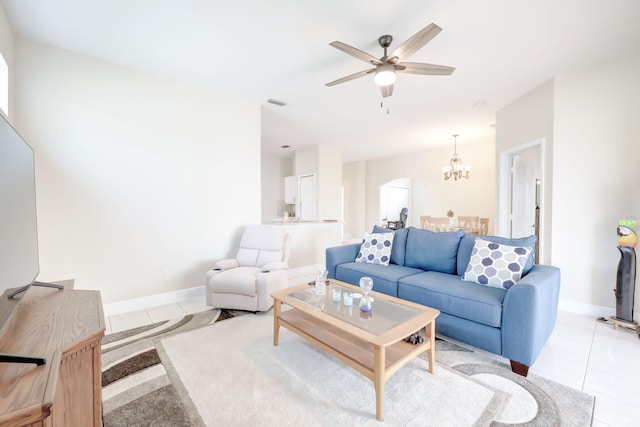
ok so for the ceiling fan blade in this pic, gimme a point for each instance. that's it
(350, 77)
(416, 42)
(356, 53)
(420, 68)
(386, 90)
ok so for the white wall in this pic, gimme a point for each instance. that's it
(589, 121)
(527, 119)
(596, 176)
(141, 182)
(353, 176)
(329, 183)
(274, 169)
(326, 163)
(431, 194)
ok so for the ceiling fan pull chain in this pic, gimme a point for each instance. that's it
(382, 106)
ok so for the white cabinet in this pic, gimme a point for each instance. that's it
(290, 189)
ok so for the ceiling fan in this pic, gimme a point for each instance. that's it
(389, 64)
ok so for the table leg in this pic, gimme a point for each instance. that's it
(431, 353)
(378, 380)
(276, 320)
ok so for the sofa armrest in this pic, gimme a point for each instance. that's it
(339, 255)
(529, 314)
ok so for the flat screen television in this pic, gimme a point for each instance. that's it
(19, 262)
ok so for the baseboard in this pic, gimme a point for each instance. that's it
(150, 301)
(183, 295)
(590, 310)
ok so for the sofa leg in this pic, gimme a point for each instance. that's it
(519, 368)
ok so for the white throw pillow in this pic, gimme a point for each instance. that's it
(496, 265)
(375, 248)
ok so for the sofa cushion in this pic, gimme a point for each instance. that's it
(399, 243)
(375, 248)
(449, 294)
(432, 251)
(468, 240)
(496, 265)
(385, 278)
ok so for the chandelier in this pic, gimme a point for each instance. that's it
(456, 169)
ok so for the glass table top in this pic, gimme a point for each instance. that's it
(384, 316)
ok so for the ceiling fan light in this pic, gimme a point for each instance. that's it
(385, 75)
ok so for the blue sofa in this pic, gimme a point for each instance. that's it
(427, 268)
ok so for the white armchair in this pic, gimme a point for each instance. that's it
(260, 268)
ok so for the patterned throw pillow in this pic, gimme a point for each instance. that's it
(496, 265)
(376, 248)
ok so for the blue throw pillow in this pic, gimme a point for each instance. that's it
(432, 251)
(467, 242)
(399, 243)
(496, 265)
(375, 248)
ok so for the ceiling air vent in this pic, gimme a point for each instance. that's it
(276, 102)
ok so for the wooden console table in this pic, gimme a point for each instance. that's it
(65, 327)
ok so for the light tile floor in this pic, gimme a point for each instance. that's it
(582, 353)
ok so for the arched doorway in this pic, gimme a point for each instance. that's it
(394, 195)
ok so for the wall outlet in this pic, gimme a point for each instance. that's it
(163, 275)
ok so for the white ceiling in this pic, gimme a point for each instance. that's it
(260, 49)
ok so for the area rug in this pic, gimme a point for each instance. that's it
(138, 389)
(235, 376)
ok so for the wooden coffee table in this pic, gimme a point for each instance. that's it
(372, 344)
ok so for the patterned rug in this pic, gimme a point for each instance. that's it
(169, 374)
(249, 381)
(137, 388)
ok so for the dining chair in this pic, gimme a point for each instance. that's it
(484, 226)
(468, 222)
(434, 223)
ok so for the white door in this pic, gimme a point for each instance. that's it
(307, 197)
(398, 198)
(525, 174)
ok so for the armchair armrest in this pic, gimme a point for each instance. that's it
(221, 265)
(339, 255)
(268, 283)
(275, 265)
(226, 264)
(529, 314)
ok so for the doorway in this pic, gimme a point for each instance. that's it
(394, 195)
(521, 196)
